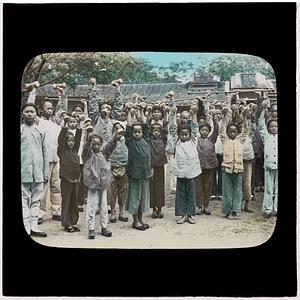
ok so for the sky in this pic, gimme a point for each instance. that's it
(165, 58)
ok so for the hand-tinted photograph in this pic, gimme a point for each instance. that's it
(149, 150)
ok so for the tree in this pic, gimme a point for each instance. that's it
(227, 65)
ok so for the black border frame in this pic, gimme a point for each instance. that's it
(267, 30)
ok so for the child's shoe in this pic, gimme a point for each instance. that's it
(91, 234)
(181, 220)
(199, 211)
(76, 228)
(207, 211)
(69, 229)
(106, 232)
(191, 220)
(229, 217)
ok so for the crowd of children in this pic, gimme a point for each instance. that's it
(93, 155)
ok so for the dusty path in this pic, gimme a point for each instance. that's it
(209, 231)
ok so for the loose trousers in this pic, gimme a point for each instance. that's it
(52, 186)
(270, 200)
(185, 202)
(217, 177)
(93, 199)
(117, 190)
(172, 181)
(31, 196)
(157, 187)
(231, 192)
(204, 187)
(69, 206)
(247, 174)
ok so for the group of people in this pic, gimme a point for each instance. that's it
(102, 154)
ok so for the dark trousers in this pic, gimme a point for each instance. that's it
(185, 202)
(117, 190)
(81, 190)
(203, 187)
(217, 177)
(157, 188)
(257, 173)
(69, 206)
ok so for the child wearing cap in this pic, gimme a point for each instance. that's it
(232, 166)
(139, 169)
(158, 142)
(118, 188)
(186, 167)
(269, 135)
(97, 177)
(68, 145)
(208, 162)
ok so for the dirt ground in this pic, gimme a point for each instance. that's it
(212, 231)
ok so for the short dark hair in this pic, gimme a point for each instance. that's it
(184, 126)
(96, 136)
(271, 120)
(205, 125)
(230, 125)
(136, 124)
(78, 105)
(155, 125)
(30, 104)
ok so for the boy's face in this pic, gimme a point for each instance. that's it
(137, 132)
(185, 117)
(204, 131)
(96, 145)
(105, 110)
(184, 135)
(232, 132)
(72, 124)
(201, 121)
(29, 115)
(156, 114)
(123, 116)
(178, 117)
(118, 128)
(155, 131)
(274, 111)
(47, 110)
(78, 111)
(273, 127)
(70, 142)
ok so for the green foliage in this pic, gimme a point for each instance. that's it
(227, 65)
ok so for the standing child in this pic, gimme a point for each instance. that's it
(158, 142)
(186, 167)
(208, 162)
(69, 177)
(118, 188)
(232, 166)
(34, 169)
(97, 177)
(139, 170)
(269, 135)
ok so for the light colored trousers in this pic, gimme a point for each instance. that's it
(271, 190)
(231, 192)
(247, 175)
(55, 197)
(31, 196)
(173, 178)
(95, 197)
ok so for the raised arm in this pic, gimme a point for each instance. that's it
(94, 98)
(223, 124)
(118, 102)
